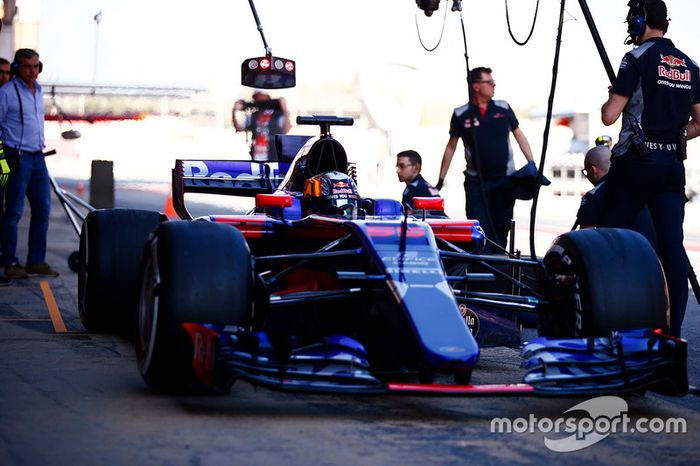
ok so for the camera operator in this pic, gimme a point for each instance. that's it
(264, 118)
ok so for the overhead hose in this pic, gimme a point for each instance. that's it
(548, 123)
(532, 28)
(442, 30)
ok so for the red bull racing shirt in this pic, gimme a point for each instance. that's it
(661, 83)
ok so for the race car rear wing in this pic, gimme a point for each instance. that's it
(224, 177)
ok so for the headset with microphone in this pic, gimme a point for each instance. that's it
(636, 21)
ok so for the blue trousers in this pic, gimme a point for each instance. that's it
(658, 181)
(499, 194)
(29, 178)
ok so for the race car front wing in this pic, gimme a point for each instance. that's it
(624, 362)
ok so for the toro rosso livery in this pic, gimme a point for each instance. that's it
(319, 289)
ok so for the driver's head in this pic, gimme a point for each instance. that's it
(331, 193)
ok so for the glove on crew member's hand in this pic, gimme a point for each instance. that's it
(4, 172)
(439, 184)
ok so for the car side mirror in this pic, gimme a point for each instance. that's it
(264, 201)
(430, 203)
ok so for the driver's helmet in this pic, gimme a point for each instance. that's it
(331, 193)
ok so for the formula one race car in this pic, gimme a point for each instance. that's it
(321, 290)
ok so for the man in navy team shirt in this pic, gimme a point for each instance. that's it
(408, 167)
(484, 126)
(657, 92)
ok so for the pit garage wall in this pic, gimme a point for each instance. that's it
(20, 26)
(7, 32)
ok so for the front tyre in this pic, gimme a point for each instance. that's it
(196, 272)
(601, 280)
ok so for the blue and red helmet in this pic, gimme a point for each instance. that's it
(331, 193)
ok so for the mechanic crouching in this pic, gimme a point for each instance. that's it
(657, 92)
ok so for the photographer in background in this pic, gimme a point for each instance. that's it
(265, 117)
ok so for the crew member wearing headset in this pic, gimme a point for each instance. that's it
(489, 159)
(657, 92)
(22, 131)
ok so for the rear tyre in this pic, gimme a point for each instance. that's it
(600, 280)
(197, 272)
(111, 244)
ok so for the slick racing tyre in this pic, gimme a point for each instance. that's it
(601, 280)
(192, 272)
(111, 245)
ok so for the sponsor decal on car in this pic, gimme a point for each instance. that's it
(470, 318)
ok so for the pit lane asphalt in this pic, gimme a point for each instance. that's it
(70, 397)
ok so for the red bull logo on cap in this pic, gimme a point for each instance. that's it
(672, 61)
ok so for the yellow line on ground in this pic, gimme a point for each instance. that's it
(54, 313)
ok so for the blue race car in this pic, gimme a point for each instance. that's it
(321, 290)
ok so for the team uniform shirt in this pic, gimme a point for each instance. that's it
(661, 83)
(492, 129)
(263, 125)
(592, 205)
(418, 188)
(27, 136)
(421, 188)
